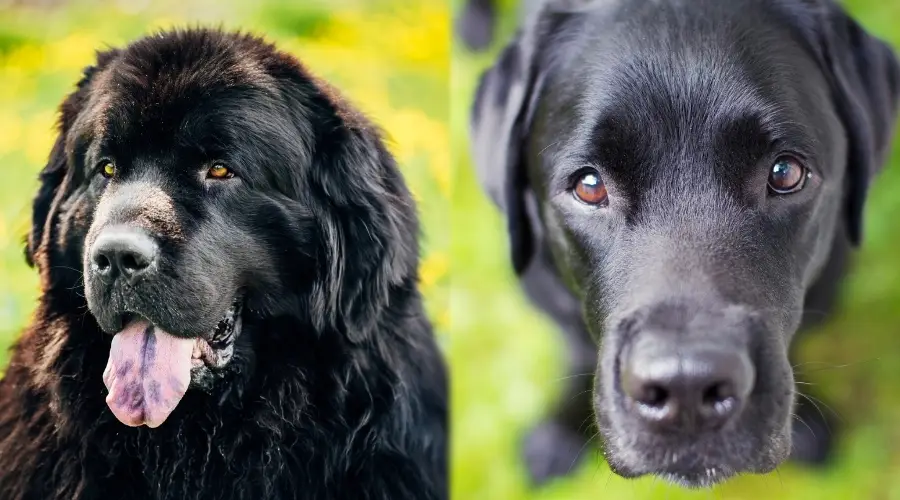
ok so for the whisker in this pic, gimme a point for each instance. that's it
(587, 421)
(837, 367)
(548, 147)
(813, 400)
(79, 271)
(586, 443)
(577, 375)
(800, 419)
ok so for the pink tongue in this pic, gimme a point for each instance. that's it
(147, 374)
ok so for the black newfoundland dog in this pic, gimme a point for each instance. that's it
(228, 261)
(682, 183)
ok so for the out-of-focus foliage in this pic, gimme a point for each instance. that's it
(389, 57)
(507, 358)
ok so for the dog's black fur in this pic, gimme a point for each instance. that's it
(336, 388)
(681, 108)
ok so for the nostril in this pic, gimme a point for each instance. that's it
(717, 393)
(718, 399)
(653, 395)
(132, 262)
(102, 263)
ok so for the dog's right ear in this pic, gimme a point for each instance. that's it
(865, 77)
(54, 172)
(501, 118)
(51, 178)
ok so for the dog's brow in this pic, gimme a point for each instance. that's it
(762, 134)
(92, 120)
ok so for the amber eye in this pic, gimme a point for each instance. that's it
(787, 176)
(590, 189)
(219, 171)
(108, 169)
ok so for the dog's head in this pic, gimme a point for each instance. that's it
(205, 185)
(688, 166)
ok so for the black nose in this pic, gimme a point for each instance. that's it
(686, 388)
(122, 251)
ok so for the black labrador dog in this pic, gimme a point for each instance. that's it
(681, 181)
(229, 309)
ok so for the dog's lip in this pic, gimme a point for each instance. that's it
(210, 350)
(700, 463)
(129, 315)
(204, 354)
(210, 346)
(701, 478)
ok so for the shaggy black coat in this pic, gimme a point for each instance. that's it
(336, 388)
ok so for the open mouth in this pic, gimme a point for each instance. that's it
(217, 351)
(149, 369)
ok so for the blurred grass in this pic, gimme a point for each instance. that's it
(389, 57)
(507, 358)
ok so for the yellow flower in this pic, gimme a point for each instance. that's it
(28, 58)
(433, 268)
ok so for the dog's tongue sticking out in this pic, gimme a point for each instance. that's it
(147, 374)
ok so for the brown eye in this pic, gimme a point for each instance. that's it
(787, 176)
(219, 171)
(590, 189)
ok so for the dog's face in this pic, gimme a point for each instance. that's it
(688, 168)
(205, 185)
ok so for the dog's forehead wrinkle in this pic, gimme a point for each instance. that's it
(703, 82)
(148, 81)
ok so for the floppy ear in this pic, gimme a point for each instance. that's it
(499, 127)
(866, 81)
(370, 229)
(365, 213)
(51, 178)
(54, 172)
(369, 253)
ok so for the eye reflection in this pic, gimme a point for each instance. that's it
(590, 189)
(787, 176)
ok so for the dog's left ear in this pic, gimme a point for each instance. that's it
(369, 222)
(865, 77)
(366, 217)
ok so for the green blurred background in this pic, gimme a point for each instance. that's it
(507, 358)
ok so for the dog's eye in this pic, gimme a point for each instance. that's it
(590, 189)
(219, 171)
(787, 176)
(108, 169)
